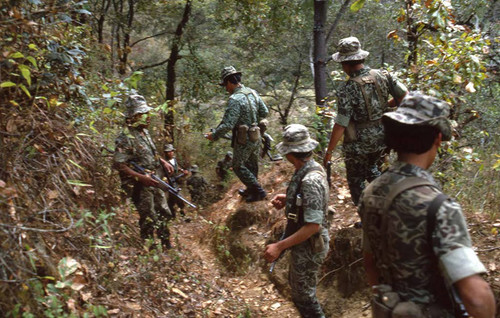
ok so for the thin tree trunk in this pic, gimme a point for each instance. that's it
(319, 51)
(171, 74)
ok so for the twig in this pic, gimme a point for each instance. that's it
(489, 249)
(64, 229)
(335, 270)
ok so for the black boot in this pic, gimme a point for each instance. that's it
(244, 192)
(257, 194)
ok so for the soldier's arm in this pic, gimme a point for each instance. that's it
(263, 111)
(477, 296)
(229, 120)
(397, 89)
(142, 178)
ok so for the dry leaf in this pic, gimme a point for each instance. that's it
(179, 292)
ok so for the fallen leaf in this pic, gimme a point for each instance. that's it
(275, 306)
(179, 292)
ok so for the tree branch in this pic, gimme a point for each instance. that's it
(339, 15)
(149, 37)
(152, 65)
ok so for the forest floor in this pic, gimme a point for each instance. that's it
(205, 276)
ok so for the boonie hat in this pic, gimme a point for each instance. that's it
(194, 168)
(136, 104)
(226, 71)
(349, 50)
(296, 138)
(419, 109)
(229, 154)
(168, 147)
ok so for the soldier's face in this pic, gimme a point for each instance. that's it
(169, 154)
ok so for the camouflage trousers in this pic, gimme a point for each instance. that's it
(172, 202)
(154, 213)
(361, 168)
(304, 267)
(246, 162)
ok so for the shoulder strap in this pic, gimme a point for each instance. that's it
(404, 185)
(299, 187)
(246, 91)
(370, 78)
(432, 212)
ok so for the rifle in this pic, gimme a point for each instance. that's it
(329, 173)
(168, 187)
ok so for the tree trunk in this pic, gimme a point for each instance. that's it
(319, 51)
(411, 34)
(171, 74)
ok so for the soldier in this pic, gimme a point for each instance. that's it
(174, 173)
(267, 142)
(224, 165)
(415, 238)
(135, 144)
(362, 100)
(197, 185)
(306, 234)
(244, 110)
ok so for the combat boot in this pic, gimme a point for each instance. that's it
(256, 194)
(244, 192)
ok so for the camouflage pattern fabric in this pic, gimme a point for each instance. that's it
(197, 186)
(136, 145)
(238, 112)
(370, 139)
(223, 167)
(305, 263)
(351, 106)
(360, 168)
(403, 254)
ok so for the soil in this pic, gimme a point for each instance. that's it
(216, 270)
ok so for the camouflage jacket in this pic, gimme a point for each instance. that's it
(404, 257)
(238, 111)
(314, 192)
(352, 107)
(136, 145)
(196, 184)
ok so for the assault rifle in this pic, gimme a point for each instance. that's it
(266, 148)
(163, 185)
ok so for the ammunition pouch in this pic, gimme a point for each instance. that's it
(241, 134)
(254, 133)
(387, 304)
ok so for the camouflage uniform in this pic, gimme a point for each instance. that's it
(135, 144)
(363, 155)
(416, 268)
(224, 165)
(197, 186)
(172, 200)
(314, 191)
(246, 157)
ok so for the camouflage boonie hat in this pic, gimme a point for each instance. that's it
(226, 71)
(419, 109)
(194, 168)
(169, 147)
(296, 138)
(229, 154)
(136, 104)
(349, 50)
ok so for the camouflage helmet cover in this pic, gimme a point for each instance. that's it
(136, 104)
(349, 50)
(226, 71)
(195, 169)
(169, 147)
(229, 154)
(419, 109)
(296, 138)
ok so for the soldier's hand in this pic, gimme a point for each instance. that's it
(279, 201)
(272, 252)
(146, 180)
(328, 157)
(209, 136)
